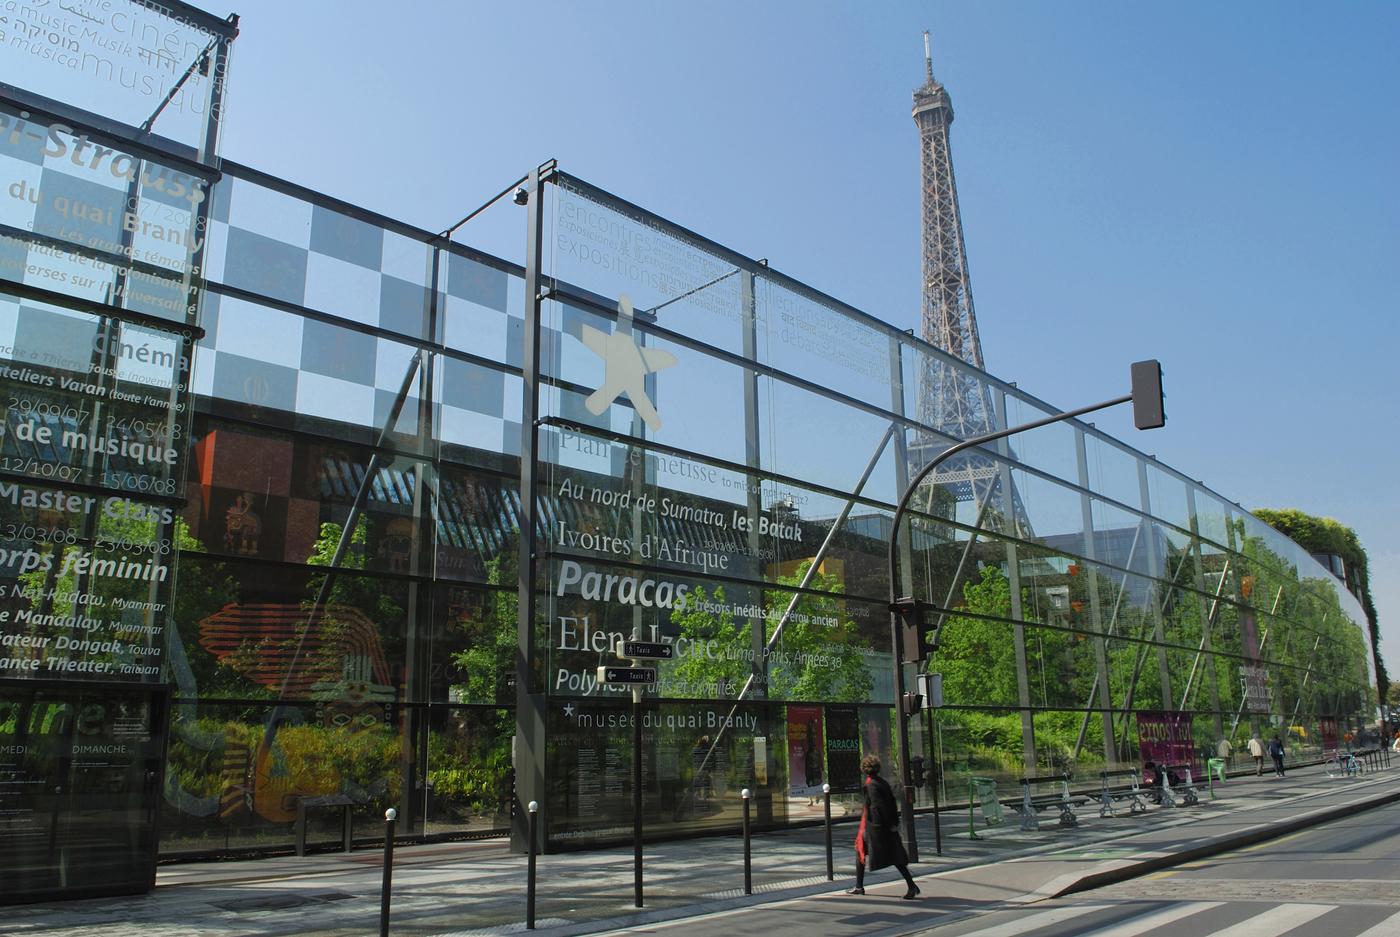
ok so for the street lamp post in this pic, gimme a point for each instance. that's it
(1148, 413)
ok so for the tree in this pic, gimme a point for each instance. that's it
(976, 655)
(819, 656)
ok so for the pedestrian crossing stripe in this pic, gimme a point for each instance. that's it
(1274, 921)
(1387, 928)
(1149, 923)
(1028, 922)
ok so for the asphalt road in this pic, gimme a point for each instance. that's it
(1340, 879)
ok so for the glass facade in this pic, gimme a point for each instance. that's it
(264, 451)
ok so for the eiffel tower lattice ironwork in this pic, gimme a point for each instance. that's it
(952, 399)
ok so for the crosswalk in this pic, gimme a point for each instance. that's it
(1184, 919)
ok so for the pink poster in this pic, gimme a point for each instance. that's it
(1165, 738)
(805, 750)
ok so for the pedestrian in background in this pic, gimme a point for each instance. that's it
(1276, 753)
(1224, 750)
(877, 841)
(1256, 749)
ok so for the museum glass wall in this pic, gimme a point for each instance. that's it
(261, 484)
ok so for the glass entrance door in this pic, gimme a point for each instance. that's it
(80, 776)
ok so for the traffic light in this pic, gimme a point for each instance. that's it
(1149, 411)
(918, 640)
(916, 770)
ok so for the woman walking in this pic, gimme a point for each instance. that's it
(877, 841)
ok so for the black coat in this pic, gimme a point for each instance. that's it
(883, 847)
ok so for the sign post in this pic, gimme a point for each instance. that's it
(638, 678)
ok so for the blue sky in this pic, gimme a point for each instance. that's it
(1212, 185)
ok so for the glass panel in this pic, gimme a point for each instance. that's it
(1054, 511)
(1168, 497)
(798, 428)
(469, 779)
(1050, 448)
(612, 254)
(125, 60)
(945, 394)
(978, 743)
(78, 777)
(1112, 471)
(237, 772)
(264, 638)
(818, 342)
(700, 758)
(1060, 667)
(977, 655)
(98, 222)
(1212, 518)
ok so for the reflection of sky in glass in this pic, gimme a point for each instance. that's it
(271, 214)
(1112, 472)
(809, 340)
(259, 332)
(391, 364)
(1168, 496)
(334, 399)
(806, 436)
(141, 57)
(1054, 510)
(610, 254)
(344, 289)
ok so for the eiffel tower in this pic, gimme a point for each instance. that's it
(951, 400)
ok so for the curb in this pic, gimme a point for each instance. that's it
(1222, 843)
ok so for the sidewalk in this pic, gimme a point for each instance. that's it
(696, 886)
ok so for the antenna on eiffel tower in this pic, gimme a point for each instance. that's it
(953, 400)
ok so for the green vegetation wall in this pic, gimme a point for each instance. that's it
(1324, 535)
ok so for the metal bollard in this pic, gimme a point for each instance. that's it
(748, 867)
(971, 820)
(390, 816)
(534, 849)
(826, 805)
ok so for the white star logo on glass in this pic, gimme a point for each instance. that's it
(625, 366)
(569, 710)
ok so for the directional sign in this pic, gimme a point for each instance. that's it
(642, 650)
(626, 675)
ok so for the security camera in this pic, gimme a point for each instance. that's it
(521, 197)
